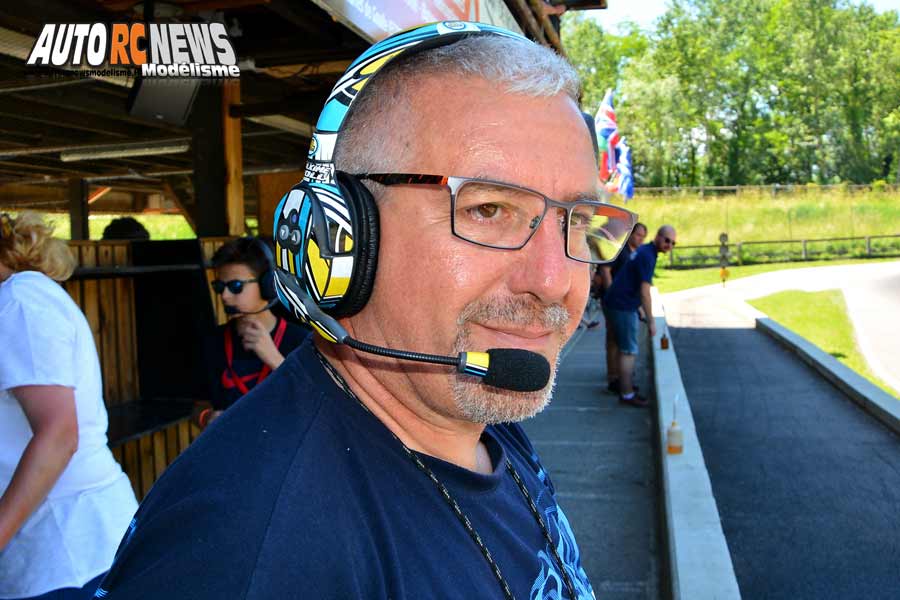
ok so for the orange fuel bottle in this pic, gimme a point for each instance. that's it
(674, 439)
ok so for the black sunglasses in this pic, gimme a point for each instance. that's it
(669, 241)
(235, 286)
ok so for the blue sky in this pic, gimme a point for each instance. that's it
(645, 12)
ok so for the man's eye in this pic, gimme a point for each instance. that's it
(485, 211)
(580, 219)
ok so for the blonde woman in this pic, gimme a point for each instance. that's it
(65, 502)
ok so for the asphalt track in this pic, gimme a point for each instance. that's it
(872, 293)
(807, 484)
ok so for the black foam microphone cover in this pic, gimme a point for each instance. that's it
(517, 370)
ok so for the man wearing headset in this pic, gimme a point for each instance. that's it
(244, 351)
(469, 223)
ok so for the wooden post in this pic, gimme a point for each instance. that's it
(78, 209)
(208, 160)
(234, 173)
(270, 188)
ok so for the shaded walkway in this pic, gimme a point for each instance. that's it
(807, 484)
(600, 457)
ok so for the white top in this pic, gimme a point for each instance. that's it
(73, 535)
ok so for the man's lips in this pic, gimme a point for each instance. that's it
(528, 338)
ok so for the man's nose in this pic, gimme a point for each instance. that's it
(545, 270)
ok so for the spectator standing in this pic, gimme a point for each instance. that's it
(65, 502)
(629, 292)
(603, 280)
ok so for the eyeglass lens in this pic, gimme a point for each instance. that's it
(670, 241)
(506, 217)
(235, 286)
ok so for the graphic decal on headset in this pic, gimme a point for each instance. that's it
(324, 227)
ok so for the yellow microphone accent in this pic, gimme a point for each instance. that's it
(474, 363)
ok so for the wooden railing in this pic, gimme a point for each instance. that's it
(145, 436)
(108, 305)
(772, 251)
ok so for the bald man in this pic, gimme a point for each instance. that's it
(629, 291)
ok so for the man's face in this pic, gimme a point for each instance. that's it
(637, 238)
(439, 294)
(665, 240)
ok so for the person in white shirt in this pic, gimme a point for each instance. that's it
(65, 502)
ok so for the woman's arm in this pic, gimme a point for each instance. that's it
(50, 410)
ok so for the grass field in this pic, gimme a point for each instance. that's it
(754, 216)
(827, 326)
(749, 216)
(673, 280)
(161, 227)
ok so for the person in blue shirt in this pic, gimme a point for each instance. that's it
(603, 280)
(630, 291)
(465, 168)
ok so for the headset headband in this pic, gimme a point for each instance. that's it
(318, 229)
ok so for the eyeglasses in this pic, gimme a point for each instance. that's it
(506, 216)
(669, 241)
(235, 286)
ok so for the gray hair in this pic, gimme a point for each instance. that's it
(515, 66)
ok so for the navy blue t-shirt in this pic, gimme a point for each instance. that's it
(623, 257)
(625, 291)
(297, 491)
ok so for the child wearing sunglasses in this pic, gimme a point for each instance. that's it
(253, 343)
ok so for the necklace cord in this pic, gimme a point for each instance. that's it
(454, 506)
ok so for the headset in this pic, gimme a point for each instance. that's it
(267, 279)
(326, 227)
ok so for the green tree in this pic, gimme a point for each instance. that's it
(751, 91)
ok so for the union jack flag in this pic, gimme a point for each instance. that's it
(623, 180)
(607, 135)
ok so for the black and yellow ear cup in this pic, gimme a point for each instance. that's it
(364, 215)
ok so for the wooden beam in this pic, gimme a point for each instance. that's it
(36, 111)
(234, 181)
(538, 7)
(97, 194)
(270, 188)
(531, 25)
(328, 67)
(78, 209)
(170, 193)
(209, 174)
(307, 106)
(13, 194)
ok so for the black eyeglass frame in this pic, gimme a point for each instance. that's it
(670, 241)
(455, 183)
(220, 286)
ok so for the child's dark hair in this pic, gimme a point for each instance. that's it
(244, 251)
(125, 228)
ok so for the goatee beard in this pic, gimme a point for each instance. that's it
(479, 403)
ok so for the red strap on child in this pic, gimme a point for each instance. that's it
(231, 379)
